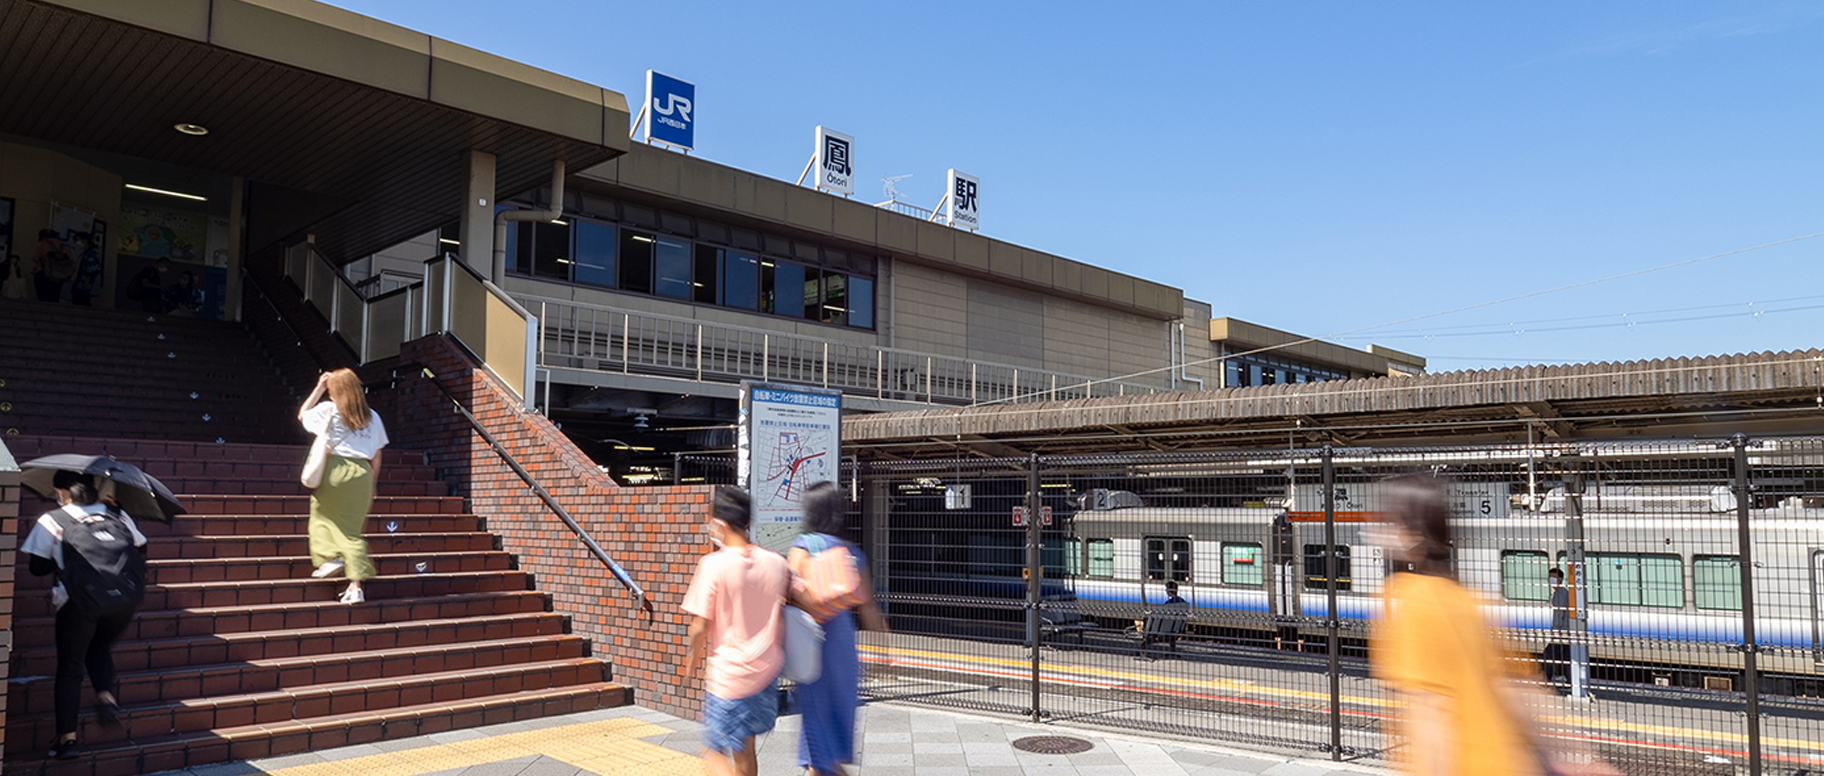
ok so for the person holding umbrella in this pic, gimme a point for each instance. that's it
(353, 437)
(98, 555)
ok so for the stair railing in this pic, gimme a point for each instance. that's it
(582, 535)
(450, 298)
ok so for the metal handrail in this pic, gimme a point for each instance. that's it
(588, 541)
(1035, 384)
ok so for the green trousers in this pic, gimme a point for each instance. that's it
(338, 511)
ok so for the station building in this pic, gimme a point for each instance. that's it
(303, 146)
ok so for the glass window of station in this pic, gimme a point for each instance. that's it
(1244, 371)
(720, 265)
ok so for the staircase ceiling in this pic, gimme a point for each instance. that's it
(380, 134)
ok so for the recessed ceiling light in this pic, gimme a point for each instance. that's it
(191, 129)
(178, 194)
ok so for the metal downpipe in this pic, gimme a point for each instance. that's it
(498, 273)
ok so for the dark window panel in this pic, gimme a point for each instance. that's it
(705, 277)
(813, 294)
(787, 297)
(550, 250)
(671, 268)
(635, 262)
(594, 259)
(740, 280)
(861, 302)
(835, 298)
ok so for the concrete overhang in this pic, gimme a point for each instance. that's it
(695, 186)
(298, 95)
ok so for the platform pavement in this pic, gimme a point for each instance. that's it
(895, 740)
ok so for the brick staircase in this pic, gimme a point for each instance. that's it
(237, 653)
(68, 371)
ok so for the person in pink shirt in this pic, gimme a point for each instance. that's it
(737, 625)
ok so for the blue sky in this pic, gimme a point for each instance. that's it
(1320, 167)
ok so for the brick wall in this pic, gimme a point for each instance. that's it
(654, 533)
(9, 544)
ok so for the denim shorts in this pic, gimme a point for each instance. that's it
(728, 724)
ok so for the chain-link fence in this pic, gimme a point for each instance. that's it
(1233, 595)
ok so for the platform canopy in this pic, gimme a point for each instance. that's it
(325, 111)
(1754, 393)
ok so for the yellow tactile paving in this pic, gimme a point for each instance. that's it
(609, 747)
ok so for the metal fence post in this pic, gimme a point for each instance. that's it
(677, 463)
(1033, 573)
(1330, 619)
(1750, 644)
(1577, 578)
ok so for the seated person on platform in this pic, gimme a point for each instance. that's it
(183, 296)
(146, 288)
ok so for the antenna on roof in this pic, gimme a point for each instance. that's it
(886, 184)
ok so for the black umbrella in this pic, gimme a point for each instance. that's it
(139, 493)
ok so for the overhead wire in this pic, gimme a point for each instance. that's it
(1426, 316)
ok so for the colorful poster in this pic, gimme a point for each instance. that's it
(162, 233)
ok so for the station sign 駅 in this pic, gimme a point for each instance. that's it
(964, 208)
(835, 161)
(671, 110)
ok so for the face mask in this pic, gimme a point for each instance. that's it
(710, 530)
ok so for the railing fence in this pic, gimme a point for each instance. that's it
(1236, 595)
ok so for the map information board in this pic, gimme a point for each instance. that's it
(789, 439)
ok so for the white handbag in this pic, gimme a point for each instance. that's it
(803, 647)
(16, 285)
(315, 463)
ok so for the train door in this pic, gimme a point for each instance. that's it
(1817, 602)
(1283, 573)
(1168, 559)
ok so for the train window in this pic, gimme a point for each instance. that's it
(1168, 559)
(1637, 580)
(1242, 564)
(1717, 582)
(1317, 577)
(1523, 576)
(1101, 558)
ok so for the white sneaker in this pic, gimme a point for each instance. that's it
(352, 595)
(327, 569)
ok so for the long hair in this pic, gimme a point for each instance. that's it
(824, 510)
(350, 398)
(1420, 504)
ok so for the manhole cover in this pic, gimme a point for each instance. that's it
(1052, 745)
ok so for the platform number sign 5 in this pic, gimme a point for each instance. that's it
(671, 110)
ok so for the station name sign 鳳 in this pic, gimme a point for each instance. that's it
(835, 161)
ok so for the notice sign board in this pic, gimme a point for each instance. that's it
(835, 161)
(671, 110)
(788, 439)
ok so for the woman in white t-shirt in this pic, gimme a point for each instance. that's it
(339, 505)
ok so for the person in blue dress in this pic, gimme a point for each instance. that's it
(827, 705)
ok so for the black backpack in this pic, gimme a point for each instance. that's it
(102, 569)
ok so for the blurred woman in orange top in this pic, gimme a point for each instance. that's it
(1464, 712)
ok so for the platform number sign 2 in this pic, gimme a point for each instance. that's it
(964, 206)
(671, 110)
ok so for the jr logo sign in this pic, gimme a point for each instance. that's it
(671, 105)
(965, 210)
(834, 154)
